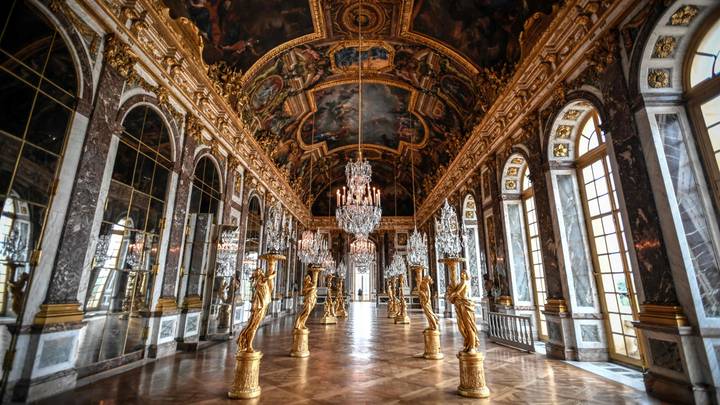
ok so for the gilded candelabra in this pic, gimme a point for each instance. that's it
(247, 360)
(300, 332)
(402, 316)
(431, 334)
(472, 374)
(340, 311)
(391, 309)
(329, 306)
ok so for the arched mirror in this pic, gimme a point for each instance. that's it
(126, 254)
(38, 90)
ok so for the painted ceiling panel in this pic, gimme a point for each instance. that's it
(431, 69)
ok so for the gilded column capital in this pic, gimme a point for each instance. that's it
(118, 55)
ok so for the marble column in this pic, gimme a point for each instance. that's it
(184, 168)
(72, 254)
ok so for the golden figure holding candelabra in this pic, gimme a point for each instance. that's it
(402, 316)
(472, 374)
(329, 306)
(431, 334)
(457, 294)
(247, 360)
(391, 303)
(340, 311)
(300, 333)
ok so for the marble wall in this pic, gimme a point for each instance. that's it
(518, 253)
(573, 225)
(692, 212)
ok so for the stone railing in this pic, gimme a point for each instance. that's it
(511, 330)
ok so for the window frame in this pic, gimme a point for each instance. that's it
(695, 97)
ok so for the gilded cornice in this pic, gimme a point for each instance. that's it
(167, 50)
(386, 224)
(569, 42)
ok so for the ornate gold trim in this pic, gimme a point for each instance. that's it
(504, 300)
(320, 32)
(665, 315)
(166, 305)
(192, 302)
(408, 34)
(51, 314)
(556, 305)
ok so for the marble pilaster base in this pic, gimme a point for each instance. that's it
(42, 387)
(675, 373)
(577, 337)
(188, 334)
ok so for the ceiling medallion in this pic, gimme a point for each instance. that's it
(368, 18)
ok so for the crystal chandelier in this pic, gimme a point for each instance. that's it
(227, 252)
(276, 229)
(312, 248)
(341, 269)
(358, 206)
(396, 266)
(417, 249)
(362, 252)
(448, 238)
(329, 264)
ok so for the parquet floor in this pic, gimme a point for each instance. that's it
(365, 359)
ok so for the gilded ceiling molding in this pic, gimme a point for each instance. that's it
(386, 224)
(168, 50)
(578, 28)
(406, 33)
(319, 32)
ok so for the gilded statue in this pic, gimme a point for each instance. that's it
(340, 298)
(309, 291)
(457, 294)
(329, 302)
(262, 296)
(425, 303)
(391, 297)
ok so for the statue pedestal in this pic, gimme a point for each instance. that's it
(432, 345)
(300, 343)
(247, 372)
(402, 318)
(391, 314)
(341, 312)
(472, 375)
(328, 318)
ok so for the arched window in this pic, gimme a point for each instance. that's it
(534, 252)
(606, 234)
(525, 257)
(703, 98)
(126, 255)
(38, 90)
(472, 251)
(202, 216)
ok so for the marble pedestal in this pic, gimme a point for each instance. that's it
(247, 372)
(300, 343)
(472, 375)
(432, 345)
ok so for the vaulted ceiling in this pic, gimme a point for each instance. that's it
(431, 68)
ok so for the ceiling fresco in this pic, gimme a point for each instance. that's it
(388, 117)
(239, 32)
(431, 69)
(485, 31)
